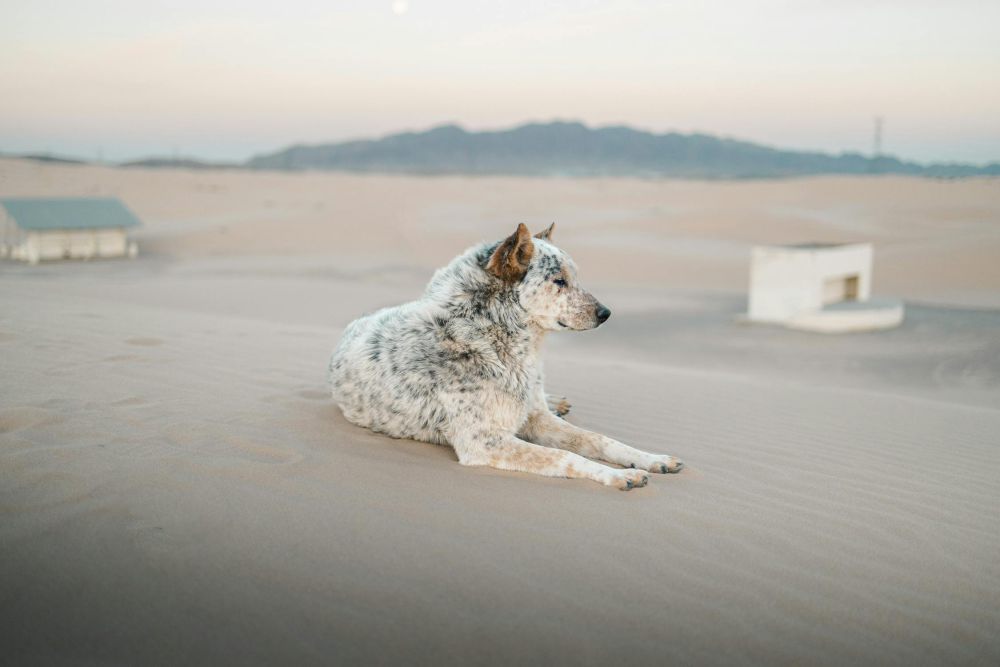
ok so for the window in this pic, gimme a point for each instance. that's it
(842, 288)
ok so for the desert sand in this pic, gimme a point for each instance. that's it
(176, 486)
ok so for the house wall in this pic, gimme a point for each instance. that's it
(780, 283)
(76, 244)
(10, 234)
(785, 282)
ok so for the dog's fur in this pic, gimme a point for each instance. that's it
(462, 366)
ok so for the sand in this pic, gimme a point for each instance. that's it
(176, 487)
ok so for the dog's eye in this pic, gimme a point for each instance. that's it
(560, 282)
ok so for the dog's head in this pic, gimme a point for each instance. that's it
(546, 283)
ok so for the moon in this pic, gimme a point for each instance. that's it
(399, 7)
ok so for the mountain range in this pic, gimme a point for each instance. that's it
(573, 149)
(567, 149)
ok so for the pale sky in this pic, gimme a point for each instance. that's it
(224, 79)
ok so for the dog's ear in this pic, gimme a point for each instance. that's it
(510, 260)
(546, 234)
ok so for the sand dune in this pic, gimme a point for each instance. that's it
(176, 487)
(935, 240)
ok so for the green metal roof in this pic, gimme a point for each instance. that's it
(40, 214)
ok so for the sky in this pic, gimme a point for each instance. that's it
(225, 79)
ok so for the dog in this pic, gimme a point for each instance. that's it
(462, 367)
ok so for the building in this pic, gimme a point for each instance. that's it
(37, 229)
(823, 287)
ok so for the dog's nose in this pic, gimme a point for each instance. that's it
(602, 313)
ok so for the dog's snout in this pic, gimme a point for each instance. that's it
(603, 313)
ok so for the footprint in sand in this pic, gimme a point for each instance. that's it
(144, 342)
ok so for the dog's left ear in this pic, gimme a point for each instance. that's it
(510, 260)
(546, 234)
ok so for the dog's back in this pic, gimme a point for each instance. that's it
(382, 371)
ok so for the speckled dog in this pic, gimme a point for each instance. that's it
(462, 366)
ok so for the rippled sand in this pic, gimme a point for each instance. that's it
(175, 486)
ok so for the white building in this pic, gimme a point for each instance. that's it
(818, 287)
(65, 228)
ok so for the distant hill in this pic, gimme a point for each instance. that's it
(573, 149)
(45, 157)
(179, 163)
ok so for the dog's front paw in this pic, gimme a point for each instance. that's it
(665, 464)
(628, 479)
(558, 405)
(660, 463)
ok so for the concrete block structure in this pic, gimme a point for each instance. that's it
(818, 287)
(39, 229)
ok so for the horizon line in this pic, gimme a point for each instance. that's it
(177, 156)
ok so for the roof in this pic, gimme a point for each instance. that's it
(40, 214)
(812, 247)
(815, 245)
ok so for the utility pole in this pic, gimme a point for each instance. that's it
(877, 139)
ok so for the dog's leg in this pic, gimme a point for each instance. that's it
(546, 429)
(558, 405)
(507, 452)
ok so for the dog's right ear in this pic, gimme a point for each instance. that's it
(546, 234)
(509, 262)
